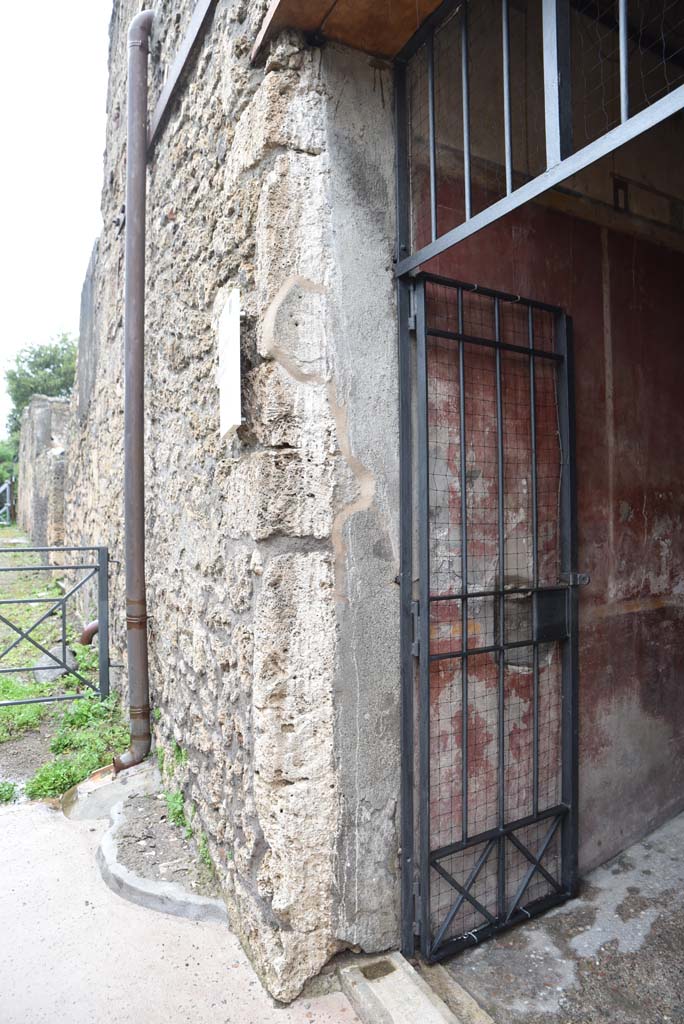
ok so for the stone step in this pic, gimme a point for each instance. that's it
(388, 990)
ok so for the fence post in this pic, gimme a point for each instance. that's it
(103, 619)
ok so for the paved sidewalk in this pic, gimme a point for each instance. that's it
(71, 950)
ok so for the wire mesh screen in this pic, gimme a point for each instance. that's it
(496, 613)
(479, 101)
(654, 60)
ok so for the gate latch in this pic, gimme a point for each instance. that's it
(576, 579)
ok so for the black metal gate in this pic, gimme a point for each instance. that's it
(490, 613)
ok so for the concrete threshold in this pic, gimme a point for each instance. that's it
(388, 990)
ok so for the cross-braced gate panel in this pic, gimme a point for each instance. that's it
(495, 618)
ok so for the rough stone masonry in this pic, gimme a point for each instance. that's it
(271, 553)
(40, 507)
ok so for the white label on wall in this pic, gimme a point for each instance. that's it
(229, 364)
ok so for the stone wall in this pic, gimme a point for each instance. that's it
(40, 504)
(272, 552)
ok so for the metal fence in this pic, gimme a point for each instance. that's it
(85, 564)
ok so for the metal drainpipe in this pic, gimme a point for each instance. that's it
(134, 406)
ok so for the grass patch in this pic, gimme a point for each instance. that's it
(90, 733)
(8, 791)
(22, 717)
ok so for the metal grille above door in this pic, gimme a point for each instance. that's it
(495, 617)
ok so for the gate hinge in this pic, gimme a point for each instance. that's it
(416, 908)
(412, 321)
(415, 618)
(576, 579)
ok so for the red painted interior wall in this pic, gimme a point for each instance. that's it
(626, 298)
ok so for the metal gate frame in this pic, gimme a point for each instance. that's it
(418, 860)
(561, 162)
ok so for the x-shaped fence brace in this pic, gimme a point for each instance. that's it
(25, 634)
(464, 889)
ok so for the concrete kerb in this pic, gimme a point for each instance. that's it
(102, 795)
(383, 989)
(165, 897)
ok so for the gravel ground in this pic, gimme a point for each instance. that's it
(149, 845)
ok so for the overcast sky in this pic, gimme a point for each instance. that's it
(53, 81)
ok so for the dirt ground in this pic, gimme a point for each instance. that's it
(615, 955)
(21, 757)
(150, 846)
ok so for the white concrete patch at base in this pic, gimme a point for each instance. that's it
(387, 990)
(95, 797)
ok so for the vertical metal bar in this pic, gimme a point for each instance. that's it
(506, 49)
(63, 604)
(535, 566)
(465, 99)
(424, 664)
(103, 619)
(624, 68)
(406, 596)
(431, 133)
(405, 525)
(557, 92)
(569, 649)
(502, 611)
(464, 571)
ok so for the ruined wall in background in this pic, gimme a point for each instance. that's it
(271, 554)
(40, 505)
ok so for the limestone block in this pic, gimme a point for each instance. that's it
(279, 492)
(239, 580)
(293, 239)
(295, 784)
(285, 113)
(288, 412)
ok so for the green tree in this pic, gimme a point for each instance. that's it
(8, 468)
(41, 370)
